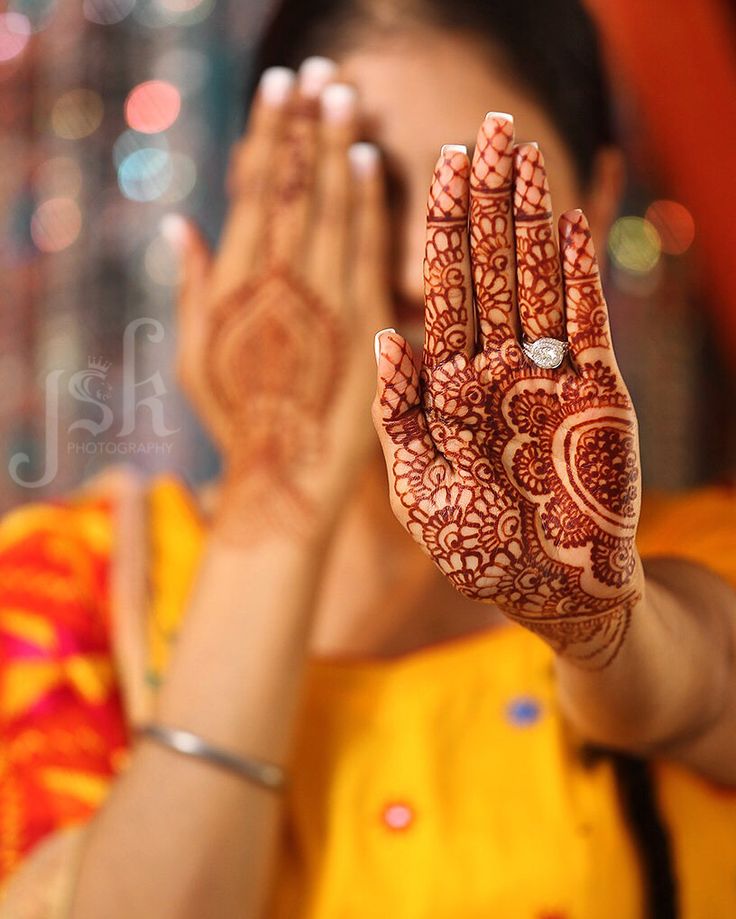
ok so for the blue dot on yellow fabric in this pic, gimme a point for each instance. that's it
(523, 711)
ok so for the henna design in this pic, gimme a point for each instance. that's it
(262, 377)
(539, 282)
(587, 316)
(523, 484)
(446, 285)
(491, 230)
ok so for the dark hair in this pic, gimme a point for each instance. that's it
(551, 48)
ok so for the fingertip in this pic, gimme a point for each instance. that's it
(364, 159)
(378, 342)
(576, 242)
(276, 86)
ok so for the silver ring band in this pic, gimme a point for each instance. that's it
(268, 775)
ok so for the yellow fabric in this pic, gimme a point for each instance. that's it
(499, 815)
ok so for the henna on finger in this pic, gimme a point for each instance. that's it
(588, 329)
(523, 484)
(539, 279)
(449, 321)
(492, 231)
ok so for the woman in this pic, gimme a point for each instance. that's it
(441, 761)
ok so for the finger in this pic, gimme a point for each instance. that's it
(332, 200)
(196, 269)
(398, 417)
(294, 170)
(492, 230)
(448, 291)
(538, 274)
(249, 178)
(588, 328)
(369, 281)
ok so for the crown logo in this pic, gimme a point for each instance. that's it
(98, 363)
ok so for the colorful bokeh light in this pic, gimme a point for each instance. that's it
(153, 106)
(675, 225)
(56, 224)
(77, 114)
(145, 175)
(634, 245)
(15, 30)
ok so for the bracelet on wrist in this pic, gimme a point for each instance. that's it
(267, 775)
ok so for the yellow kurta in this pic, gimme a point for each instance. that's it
(445, 783)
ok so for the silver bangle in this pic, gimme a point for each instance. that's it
(268, 775)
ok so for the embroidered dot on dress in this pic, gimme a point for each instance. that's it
(397, 815)
(523, 711)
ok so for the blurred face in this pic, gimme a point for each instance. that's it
(423, 89)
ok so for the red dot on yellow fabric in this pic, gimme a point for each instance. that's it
(397, 815)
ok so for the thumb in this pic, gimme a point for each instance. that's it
(194, 257)
(397, 409)
(195, 260)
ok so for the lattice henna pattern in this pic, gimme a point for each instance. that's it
(447, 292)
(539, 280)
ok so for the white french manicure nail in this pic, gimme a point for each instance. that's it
(377, 341)
(276, 85)
(453, 148)
(533, 143)
(338, 101)
(314, 74)
(500, 115)
(173, 228)
(363, 158)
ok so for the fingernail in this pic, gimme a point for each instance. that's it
(173, 228)
(363, 158)
(377, 342)
(533, 143)
(338, 101)
(445, 149)
(276, 85)
(314, 74)
(499, 115)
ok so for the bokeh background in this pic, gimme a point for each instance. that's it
(114, 113)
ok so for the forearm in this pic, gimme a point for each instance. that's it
(671, 690)
(181, 838)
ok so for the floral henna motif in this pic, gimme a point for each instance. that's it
(523, 484)
(491, 229)
(539, 282)
(264, 380)
(446, 289)
(587, 317)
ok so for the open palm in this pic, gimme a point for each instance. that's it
(521, 483)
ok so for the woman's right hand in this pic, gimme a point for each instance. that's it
(276, 329)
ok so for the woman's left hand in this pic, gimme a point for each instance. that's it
(521, 483)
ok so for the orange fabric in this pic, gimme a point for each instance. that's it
(61, 725)
(446, 782)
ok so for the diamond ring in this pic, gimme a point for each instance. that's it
(546, 353)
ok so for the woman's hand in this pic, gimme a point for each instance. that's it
(522, 484)
(276, 330)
